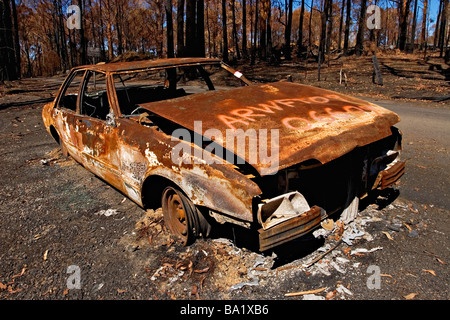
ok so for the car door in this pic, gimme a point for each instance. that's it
(96, 133)
(65, 111)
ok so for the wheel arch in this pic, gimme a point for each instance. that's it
(152, 189)
(54, 134)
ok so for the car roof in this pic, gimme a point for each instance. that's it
(114, 67)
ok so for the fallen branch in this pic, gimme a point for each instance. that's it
(324, 254)
(305, 292)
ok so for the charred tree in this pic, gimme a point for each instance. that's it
(16, 38)
(265, 30)
(269, 30)
(83, 55)
(359, 48)
(424, 24)
(8, 70)
(323, 31)
(443, 28)
(309, 28)
(224, 31)
(413, 28)
(234, 30)
(255, 33)
(244, 29)
(200, 27)
(403, 10)
(437, 26)
(300, 30)
(180, 28)
(347, 27)
(190, 28)
(169, 28)
(341, 26)
(329, 25)
(195, 29)
(287, 32)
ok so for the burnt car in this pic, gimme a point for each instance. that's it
(197, 138)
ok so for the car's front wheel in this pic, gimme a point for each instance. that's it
(182, 217)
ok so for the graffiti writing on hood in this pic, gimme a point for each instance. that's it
(244, 116)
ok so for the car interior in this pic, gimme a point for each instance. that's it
(133, 89)
(94, 102)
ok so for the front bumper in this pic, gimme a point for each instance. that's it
(289, 216)
(389, 176)
(289, 229)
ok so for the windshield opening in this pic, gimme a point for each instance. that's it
(145, 86)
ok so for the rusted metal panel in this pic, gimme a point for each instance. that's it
(219, 187)
(391, 175)
(313, 123)
(290, 229)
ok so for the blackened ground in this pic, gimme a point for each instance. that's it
(54, 214)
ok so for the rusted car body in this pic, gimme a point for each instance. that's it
(331, 149)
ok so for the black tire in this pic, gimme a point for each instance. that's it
(182, 217)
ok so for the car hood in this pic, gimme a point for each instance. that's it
(301, 121)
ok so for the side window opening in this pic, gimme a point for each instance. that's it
(94, 100)
(69, 97)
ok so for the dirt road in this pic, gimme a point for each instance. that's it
(65, 234)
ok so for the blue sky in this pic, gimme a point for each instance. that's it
(433, 6)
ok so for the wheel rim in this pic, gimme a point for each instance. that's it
(175, 215)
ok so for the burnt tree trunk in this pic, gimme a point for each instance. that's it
(300, 30)
(255, 33)
(424, 24)
(329, 25)
(195, 28)
(443, 27)
(413, 28)
(309, 28)
(403, 9)
(16, 38)
(224, 31)
(269, 30)
(287, 32)
(200, 11)
(341, 26)
(180, 28)
(438, 21)
(244, 29)
(234, 30)
(8, 61)
(323, 31)
(361, 28)
(347, 27)
(83, 56)
(169, 28)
